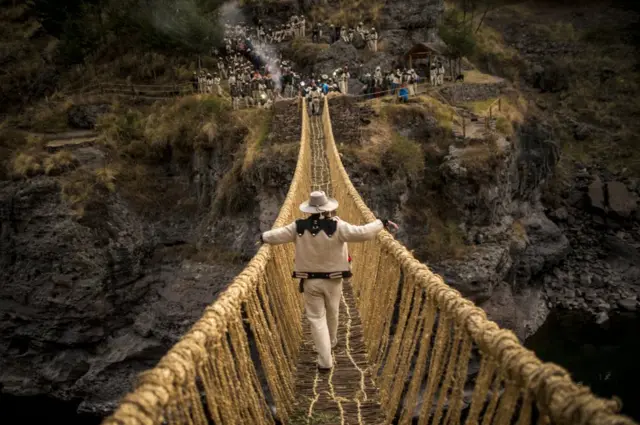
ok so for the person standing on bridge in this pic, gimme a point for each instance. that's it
(321, 263)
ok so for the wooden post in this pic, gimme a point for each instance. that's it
(464, 127)
(500, 104)
(410, 61)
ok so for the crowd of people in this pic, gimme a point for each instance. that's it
(256, 74)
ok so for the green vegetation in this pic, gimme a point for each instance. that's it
(591, 98)
(47, 48)
(445, 239)
(181, 126)
(405, 154)
(396, 156)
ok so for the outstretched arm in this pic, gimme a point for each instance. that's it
(350, 233)
(280, 235)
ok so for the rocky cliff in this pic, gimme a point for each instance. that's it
(88, 302)
(493, 201)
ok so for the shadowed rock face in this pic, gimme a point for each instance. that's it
(88, 303)
(511, 240)
(84, 306)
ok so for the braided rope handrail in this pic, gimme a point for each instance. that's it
(553, 390)
(209, 374)
(159, 393)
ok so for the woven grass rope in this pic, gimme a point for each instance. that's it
(420, 361)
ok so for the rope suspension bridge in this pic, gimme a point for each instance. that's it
(411, 348)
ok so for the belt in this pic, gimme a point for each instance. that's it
(322, 275)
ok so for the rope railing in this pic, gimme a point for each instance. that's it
(209, 373)
(421, 337)
(422, 358)
(132, 90)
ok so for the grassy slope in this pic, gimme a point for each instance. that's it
(602, 78)
(134, 136)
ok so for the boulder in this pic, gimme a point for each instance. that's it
(622, 203)
(596, 195)
(547, 247)
(476, 274)
(522, 312)
(628, 304)
(560, 214)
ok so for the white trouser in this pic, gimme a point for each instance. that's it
(322, 305)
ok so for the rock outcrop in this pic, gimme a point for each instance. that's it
(600, 275)
(87, 302)
(510, 241)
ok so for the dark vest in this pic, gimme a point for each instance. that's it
(315, 225)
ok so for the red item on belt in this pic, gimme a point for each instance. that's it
(349, 258)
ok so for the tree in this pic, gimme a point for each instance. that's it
(456, 32)
(477, 10)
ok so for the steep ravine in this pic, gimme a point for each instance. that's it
(88, 303)
(563, 277)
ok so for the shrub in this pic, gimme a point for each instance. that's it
(406, 155)
(59, 162)
(504, 126)
(304, 53)
(83, 187)
(26, 165)
(444, 239)
(107, 178)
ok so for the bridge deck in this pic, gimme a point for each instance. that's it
(347, 395)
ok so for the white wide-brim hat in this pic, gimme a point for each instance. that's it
(318, 202)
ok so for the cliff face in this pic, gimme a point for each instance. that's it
(88, 302)
(507, 240)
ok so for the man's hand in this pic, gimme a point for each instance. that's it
(391, 226)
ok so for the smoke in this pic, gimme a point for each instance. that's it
(231, 13)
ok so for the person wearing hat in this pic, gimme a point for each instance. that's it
(321, 263)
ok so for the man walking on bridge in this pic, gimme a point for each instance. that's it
(321, 262)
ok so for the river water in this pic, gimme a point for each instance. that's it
(605, 357)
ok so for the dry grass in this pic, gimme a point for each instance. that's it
(519, 231)
(82, 187)
(504, 126)
(445, 240)
(349, 13)
(305, 53)
(183, 125)
(59, 162)
(492, 50)
(405, 155)
(258, 122)
(49, 117)
(477, 77)
(443, 112)
(26, 165)
(507, 109)
(482, 159)
(557, 31)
